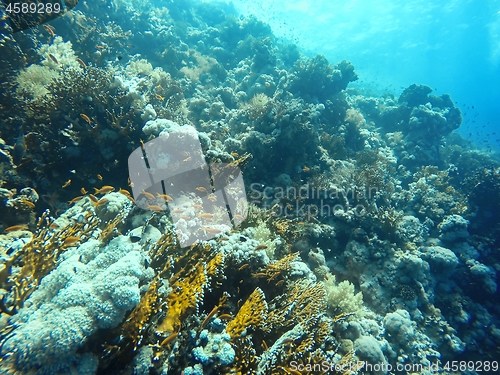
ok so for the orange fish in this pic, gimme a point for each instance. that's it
(206, 216)
(243, 267)
(16, 227)
(165, 197)
(28, 203)
(75, 199)
(104, 190)
(124, 192)
(154, 207)
(85, 117)
(170, 339)
(66, 184)
(70, 241)
(211, 230)
(148, 195)
(101, 202)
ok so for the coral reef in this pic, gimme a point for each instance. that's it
(372, 229)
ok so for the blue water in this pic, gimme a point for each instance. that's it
(451, 46)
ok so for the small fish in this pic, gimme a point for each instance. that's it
(66, 184)
(28, 203)
(261, 247)
(170, 339)
(50, 30)
(211, 230)
(280, 282)
(202, 189)
(159, 97)
(85, 117)
(70, 241)
(154, 207)
(75, 199)
(93, 198)
(124, 192)
(177, 211)
(83, 191)
(99, 177)
(16, 227)
(206, 216)
(104, 190)
(259, 274)
(243, 267)
(165, 197)
(101, 202)
(82, 64)
(53, 58)
(148, 195)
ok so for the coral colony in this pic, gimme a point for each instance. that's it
(366, 243)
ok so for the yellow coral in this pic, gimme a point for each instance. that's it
(280, 268)
(147, 307)
(303, 303)
(186, 293)
(253, 313)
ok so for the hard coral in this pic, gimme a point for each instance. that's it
(253, 313)
(316, 78)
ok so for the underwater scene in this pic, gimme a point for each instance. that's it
(186, 190)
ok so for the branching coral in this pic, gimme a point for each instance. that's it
(253, 313)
